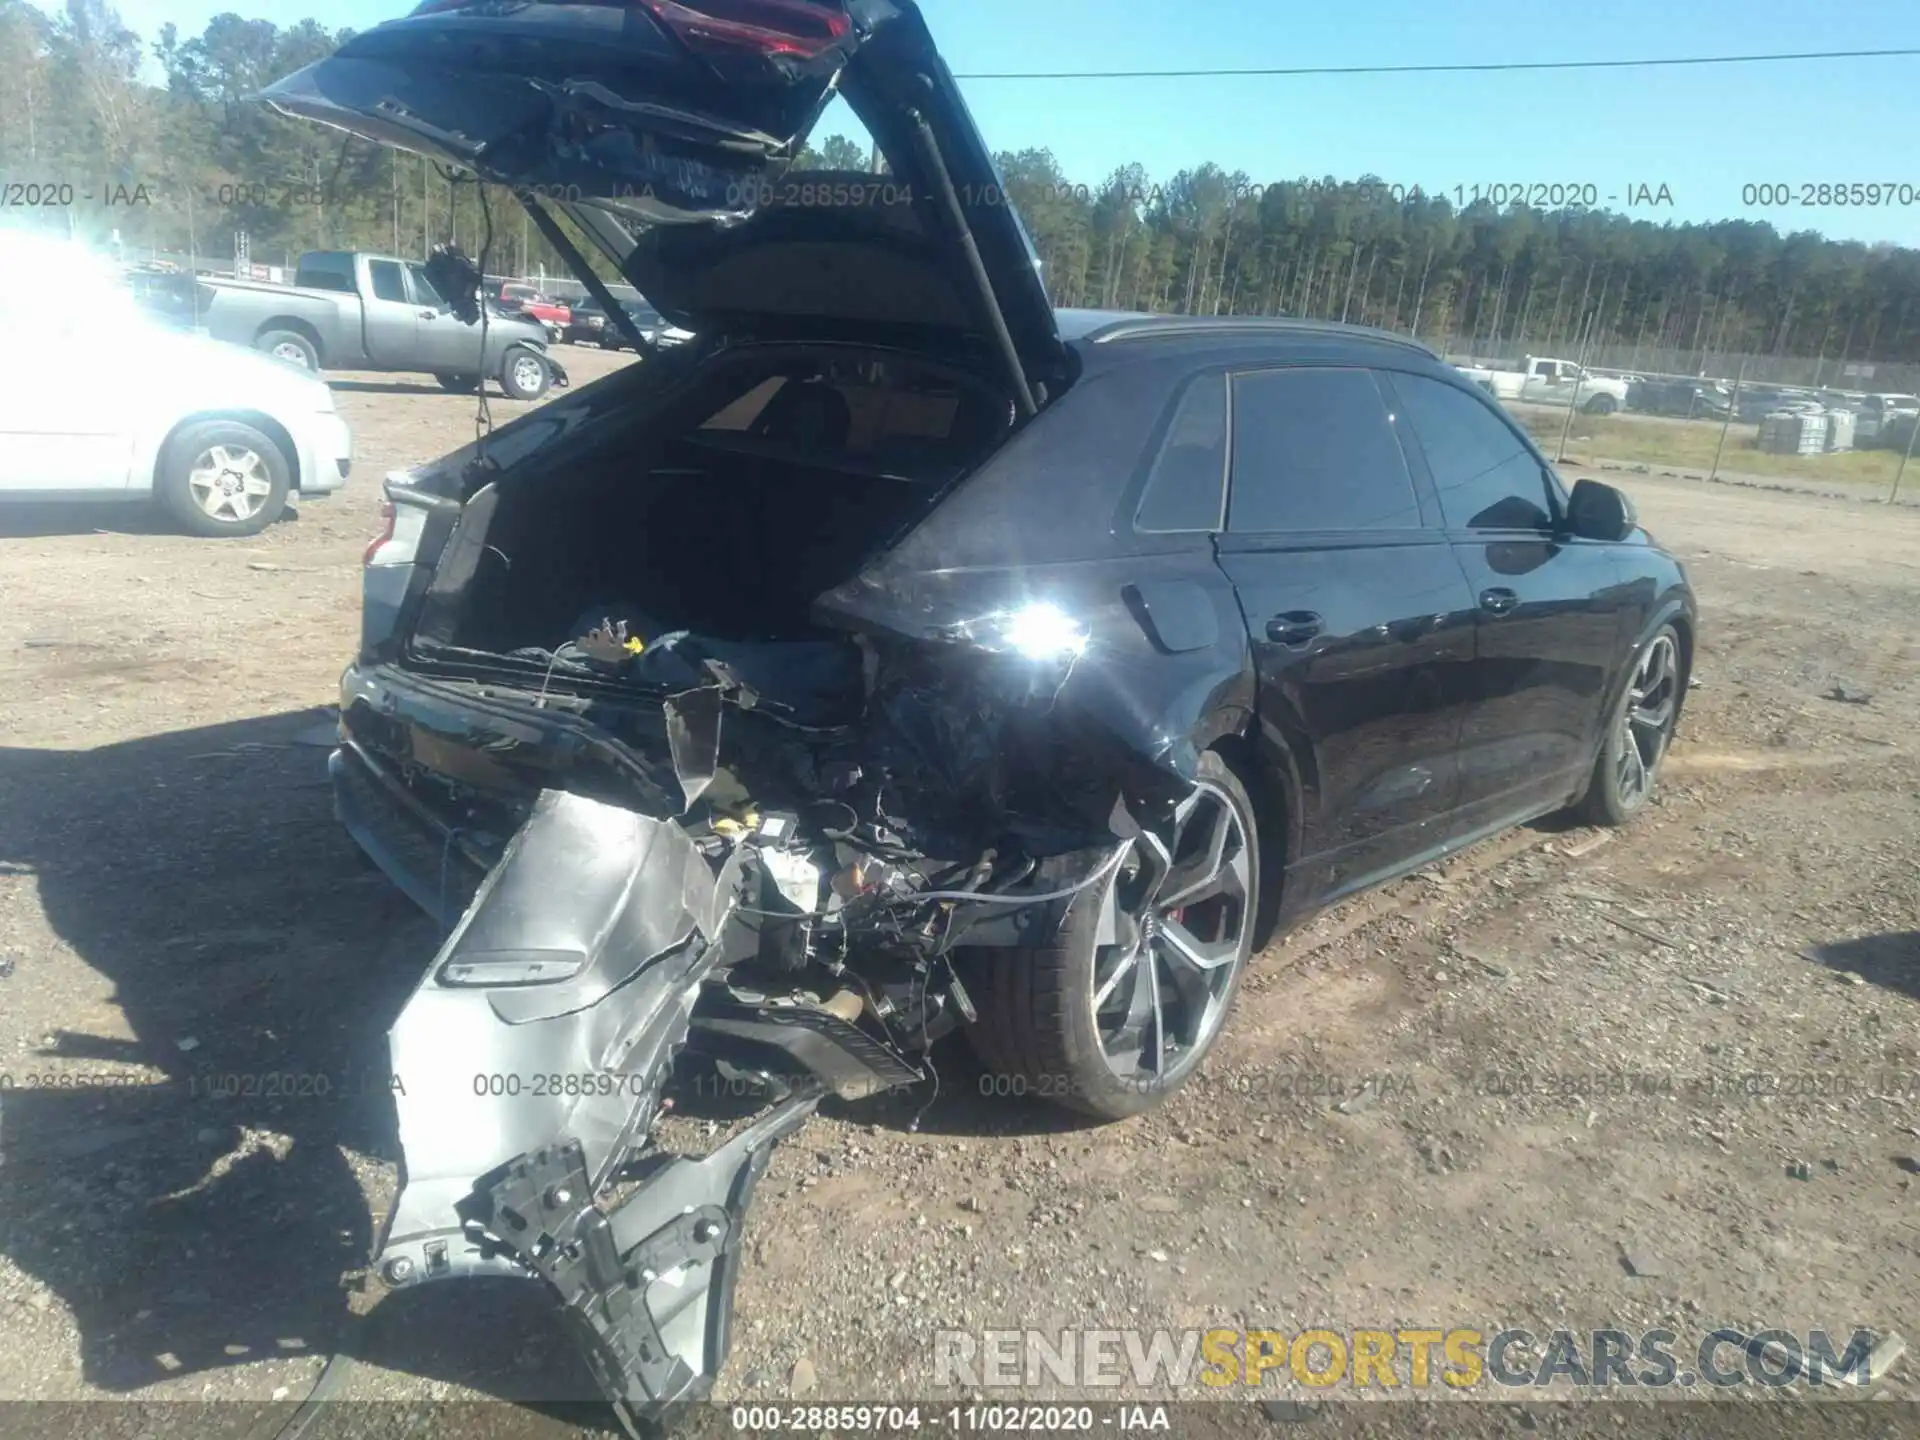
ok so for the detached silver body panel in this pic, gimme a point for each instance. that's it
(531, 1061)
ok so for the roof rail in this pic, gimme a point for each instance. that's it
(1149, 327)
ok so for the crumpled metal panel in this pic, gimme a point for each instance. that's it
(553, 1010)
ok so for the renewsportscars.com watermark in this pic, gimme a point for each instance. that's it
(1218, 1361)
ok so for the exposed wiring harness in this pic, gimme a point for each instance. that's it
(990, 897)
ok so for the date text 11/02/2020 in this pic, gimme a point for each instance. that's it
(797, 190)
(800, 189)
(1270, 1086)
(1536, 194)
(988, 1419)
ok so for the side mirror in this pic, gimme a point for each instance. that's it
(1600, 512)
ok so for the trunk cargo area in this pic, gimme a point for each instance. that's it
(757, 487)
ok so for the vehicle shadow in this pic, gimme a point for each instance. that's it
(396, 387)
(132, 516)
(136, 515)
(961, 1097)
(194, 1167)
(1891, 961)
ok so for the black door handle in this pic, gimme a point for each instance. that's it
(1499, 602)
(1293, 627)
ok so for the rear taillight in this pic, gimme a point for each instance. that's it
(387, 514)
(798, 28)
(403, 522)
(765, 27)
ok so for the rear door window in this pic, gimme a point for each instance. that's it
(325, 272)
(1485, 476)
(1315, 449)
(1186, 488)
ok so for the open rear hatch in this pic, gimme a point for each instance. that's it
(652, 116)
(535, 1050)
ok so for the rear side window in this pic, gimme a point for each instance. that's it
(1315, 449)
(389, 282)
(1486, 477)
(325, 272)
(1188, 481)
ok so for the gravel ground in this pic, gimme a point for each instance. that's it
(1694, 1043)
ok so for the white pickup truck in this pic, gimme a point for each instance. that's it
(1544, 381)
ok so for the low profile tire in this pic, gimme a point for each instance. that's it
(524, 375)
(1111, 1030)
(458, 384)
(1637, 736)
(1602, 405)
(221, 478)
(290, 346)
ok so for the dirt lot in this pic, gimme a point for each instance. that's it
(1740, 972)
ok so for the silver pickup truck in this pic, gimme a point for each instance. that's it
(350, 311)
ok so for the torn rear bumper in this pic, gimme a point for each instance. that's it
(435, 865)
(530, 1064)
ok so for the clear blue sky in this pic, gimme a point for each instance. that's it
(1703, 132)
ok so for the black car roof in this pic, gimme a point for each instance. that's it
(1111, 335)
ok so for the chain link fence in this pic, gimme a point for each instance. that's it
(1799, 371)
(1784, 421)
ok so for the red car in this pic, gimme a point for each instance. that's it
(527, 300)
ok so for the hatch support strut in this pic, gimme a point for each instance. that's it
(956, 218)
(596, 287)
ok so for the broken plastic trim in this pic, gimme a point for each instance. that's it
(648, 1284)
(534, 1054)
(616, 910)
(837, 1052)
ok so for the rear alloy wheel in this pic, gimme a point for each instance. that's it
(1602, 405)
(223, 478)
(1113, 1028)
(523, 374)
(1638, 735)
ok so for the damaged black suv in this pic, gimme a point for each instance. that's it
(899, 656)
